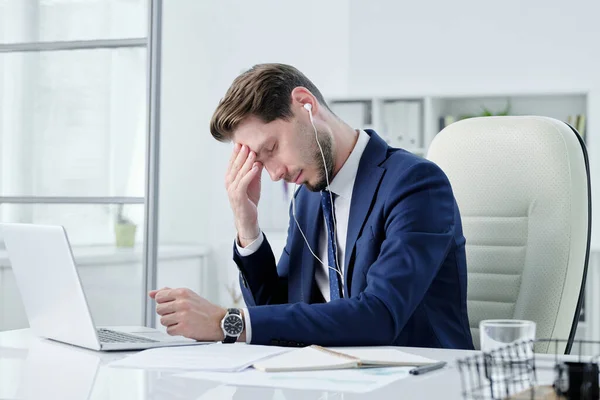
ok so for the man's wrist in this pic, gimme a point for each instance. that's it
(242, 337)
(221, 335)
(221, 315)
(244, 239)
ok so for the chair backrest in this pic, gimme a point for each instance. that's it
(523, 189)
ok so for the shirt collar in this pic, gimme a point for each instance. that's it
(343, 183)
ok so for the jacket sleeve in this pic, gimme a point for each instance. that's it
(261, 281)
(419, 230)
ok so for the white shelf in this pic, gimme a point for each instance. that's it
(414, 130)
(93, 255)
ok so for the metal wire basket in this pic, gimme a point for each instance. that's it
(511, 372)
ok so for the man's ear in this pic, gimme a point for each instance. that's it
(301, 96)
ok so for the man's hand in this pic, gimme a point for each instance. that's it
(243, 188)
(184, 313)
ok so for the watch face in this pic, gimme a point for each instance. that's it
(233, 325)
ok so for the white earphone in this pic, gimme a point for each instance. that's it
(337, 269)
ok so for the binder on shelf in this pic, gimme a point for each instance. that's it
(414, 125)
(395, 114)
(445, 120)
(580, 124)
(403, 124)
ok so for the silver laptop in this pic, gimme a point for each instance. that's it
(44, 268)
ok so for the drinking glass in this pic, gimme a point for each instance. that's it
(508, 351)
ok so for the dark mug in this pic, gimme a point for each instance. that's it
(577, 380)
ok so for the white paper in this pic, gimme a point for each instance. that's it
(347, 380)
(211, 357)
(305, 359)
(384, 355)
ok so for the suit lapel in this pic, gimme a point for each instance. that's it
(367, 180)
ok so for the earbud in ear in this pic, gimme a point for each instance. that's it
(308, 106)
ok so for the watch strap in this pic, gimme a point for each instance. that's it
(229, 339)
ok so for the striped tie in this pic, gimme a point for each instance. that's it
(334, 278)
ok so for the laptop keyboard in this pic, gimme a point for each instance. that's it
(108, 336)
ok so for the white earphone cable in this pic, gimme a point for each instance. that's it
(337, 269)
(328, 189)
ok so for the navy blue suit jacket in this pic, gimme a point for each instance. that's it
(405, 277)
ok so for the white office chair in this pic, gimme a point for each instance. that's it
(523, 189)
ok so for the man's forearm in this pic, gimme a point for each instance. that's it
(364, 321)
(260, 281)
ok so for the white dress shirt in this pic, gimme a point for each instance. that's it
(342, 185)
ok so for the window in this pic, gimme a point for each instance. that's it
(73, 127)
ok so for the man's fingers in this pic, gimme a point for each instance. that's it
(237, 163)
(153, 293)
(173, 330)
(234, 154)
(165, 295)
(249, 177)
(166, 308)
(243, 171)
(169, 320)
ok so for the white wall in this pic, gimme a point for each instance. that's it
(205, 46)
(470, 47)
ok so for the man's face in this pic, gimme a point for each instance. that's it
(289, 150)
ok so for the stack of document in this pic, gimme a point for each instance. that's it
(316, 358)
(348, 369)
(216, 357)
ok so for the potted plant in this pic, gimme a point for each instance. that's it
(125, 229)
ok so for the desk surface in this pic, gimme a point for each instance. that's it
(36, 368)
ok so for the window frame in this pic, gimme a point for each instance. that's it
(152, 43)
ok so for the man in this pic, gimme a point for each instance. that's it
(375, 253)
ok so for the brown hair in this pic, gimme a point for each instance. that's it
(263, 91)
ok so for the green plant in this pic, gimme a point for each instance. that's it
(488, 113)
(120, 218)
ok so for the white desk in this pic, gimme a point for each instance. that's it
(33, 368)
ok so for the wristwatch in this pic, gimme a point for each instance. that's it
(232, 325)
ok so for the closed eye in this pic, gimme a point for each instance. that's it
(266, 152)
